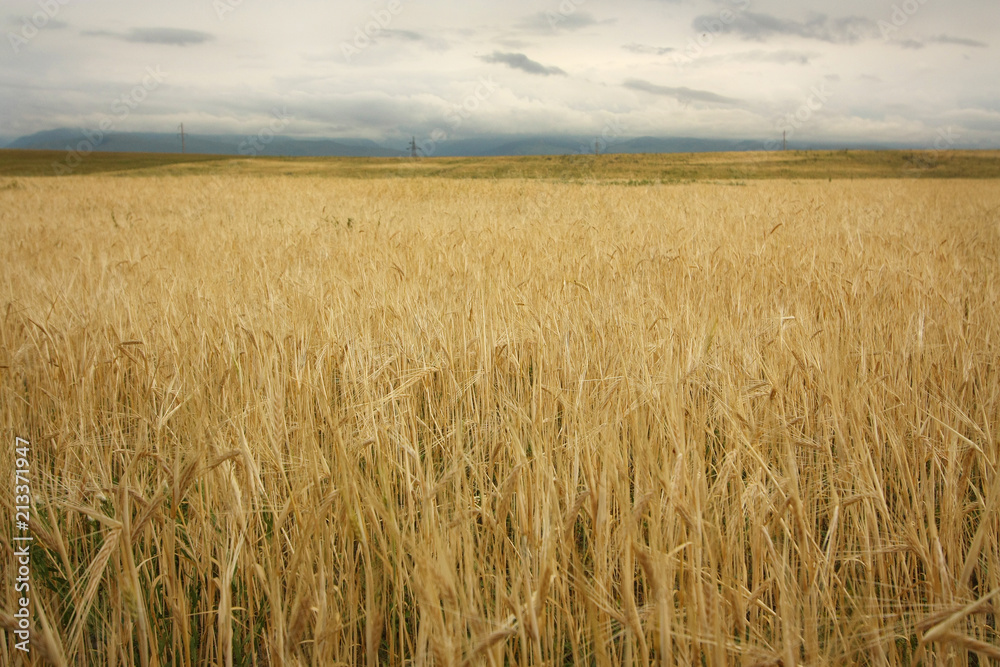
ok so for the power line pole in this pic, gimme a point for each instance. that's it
(414, 148)
(784, 140)
(183, 142)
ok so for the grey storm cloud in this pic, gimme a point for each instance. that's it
(758, 26)
(780, 57)
(962, 41)
(942, 39)
(412, 36)
(521, 62)
(405, 35)
(567, 67)
(171, 36)
(552, 21)
(959, 41)
(54, 24)
(681, 94)
(649, 50)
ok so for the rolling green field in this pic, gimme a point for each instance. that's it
(626, 169)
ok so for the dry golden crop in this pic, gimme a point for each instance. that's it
(291, 421)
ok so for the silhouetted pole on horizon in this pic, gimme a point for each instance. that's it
(183, 142)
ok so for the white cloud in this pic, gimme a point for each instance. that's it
(226, 74)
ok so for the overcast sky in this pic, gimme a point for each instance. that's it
(881, 70)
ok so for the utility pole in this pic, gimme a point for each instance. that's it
(183, 142)
(414, 148)
(784, 140)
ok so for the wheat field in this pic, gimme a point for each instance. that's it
(323, 421)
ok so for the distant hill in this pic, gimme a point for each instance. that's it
(577, 144)
(692, 145)
(485, 146)
(507, 145)
(211, 144)
(683, 145)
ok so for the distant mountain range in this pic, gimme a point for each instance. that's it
(211, 144)
(66, 139)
